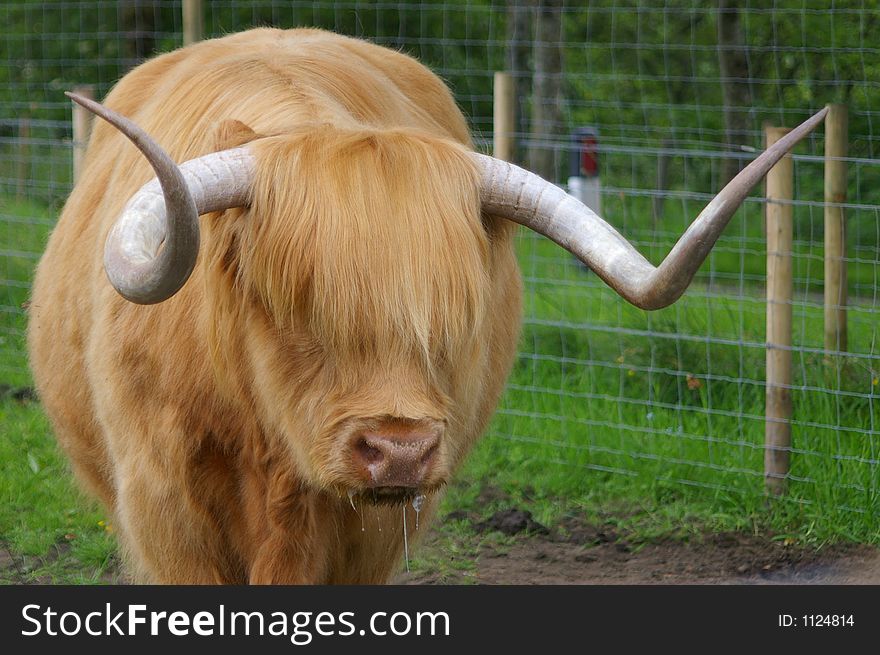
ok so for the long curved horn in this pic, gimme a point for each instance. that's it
(151, 250)
(525, 198)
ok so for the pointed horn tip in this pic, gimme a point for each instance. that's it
(819, 115)
(811, 123)
(131, 130)
(797, 133)
(92, 105)
(81, 100)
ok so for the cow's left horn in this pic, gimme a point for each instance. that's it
(525, 198)
(152, 248)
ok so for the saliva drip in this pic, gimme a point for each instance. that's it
(360, 514)
(405, 542)
(417, 503)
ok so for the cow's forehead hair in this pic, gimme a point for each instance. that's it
(374, 236)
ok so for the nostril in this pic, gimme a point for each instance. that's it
(367, 453)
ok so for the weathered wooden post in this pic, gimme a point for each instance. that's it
(504, 115)
(82, 125)
(780, 186)
(836, 146)
(193, 21)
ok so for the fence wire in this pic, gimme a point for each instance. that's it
(678, 93)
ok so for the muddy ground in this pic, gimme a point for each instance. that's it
(581, 553)
(511, 548)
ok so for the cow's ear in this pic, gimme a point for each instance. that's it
(231, 134)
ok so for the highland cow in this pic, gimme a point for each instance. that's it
(303, 329)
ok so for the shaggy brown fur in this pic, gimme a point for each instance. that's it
(362, 286)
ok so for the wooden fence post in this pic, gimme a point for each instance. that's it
(504, 114)
(780, 185)
(836, 146)
(193, 21)
(82, 125)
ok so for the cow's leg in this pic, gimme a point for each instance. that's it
(177, 519)
(292, 528)
(287, 559)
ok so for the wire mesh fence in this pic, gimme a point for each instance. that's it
(677, 94)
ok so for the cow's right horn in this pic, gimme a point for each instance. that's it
(525, 198)
(152, 248)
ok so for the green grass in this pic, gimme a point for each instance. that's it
(453, 554)
(651, 420)
(51, 531)
(608, 404)
(24, 228)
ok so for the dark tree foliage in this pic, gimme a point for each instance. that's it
(655, 76)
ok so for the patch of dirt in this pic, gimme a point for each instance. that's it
(510, 522)
(581, 553)
(19, 394)
(25, 569)
(510, 547)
